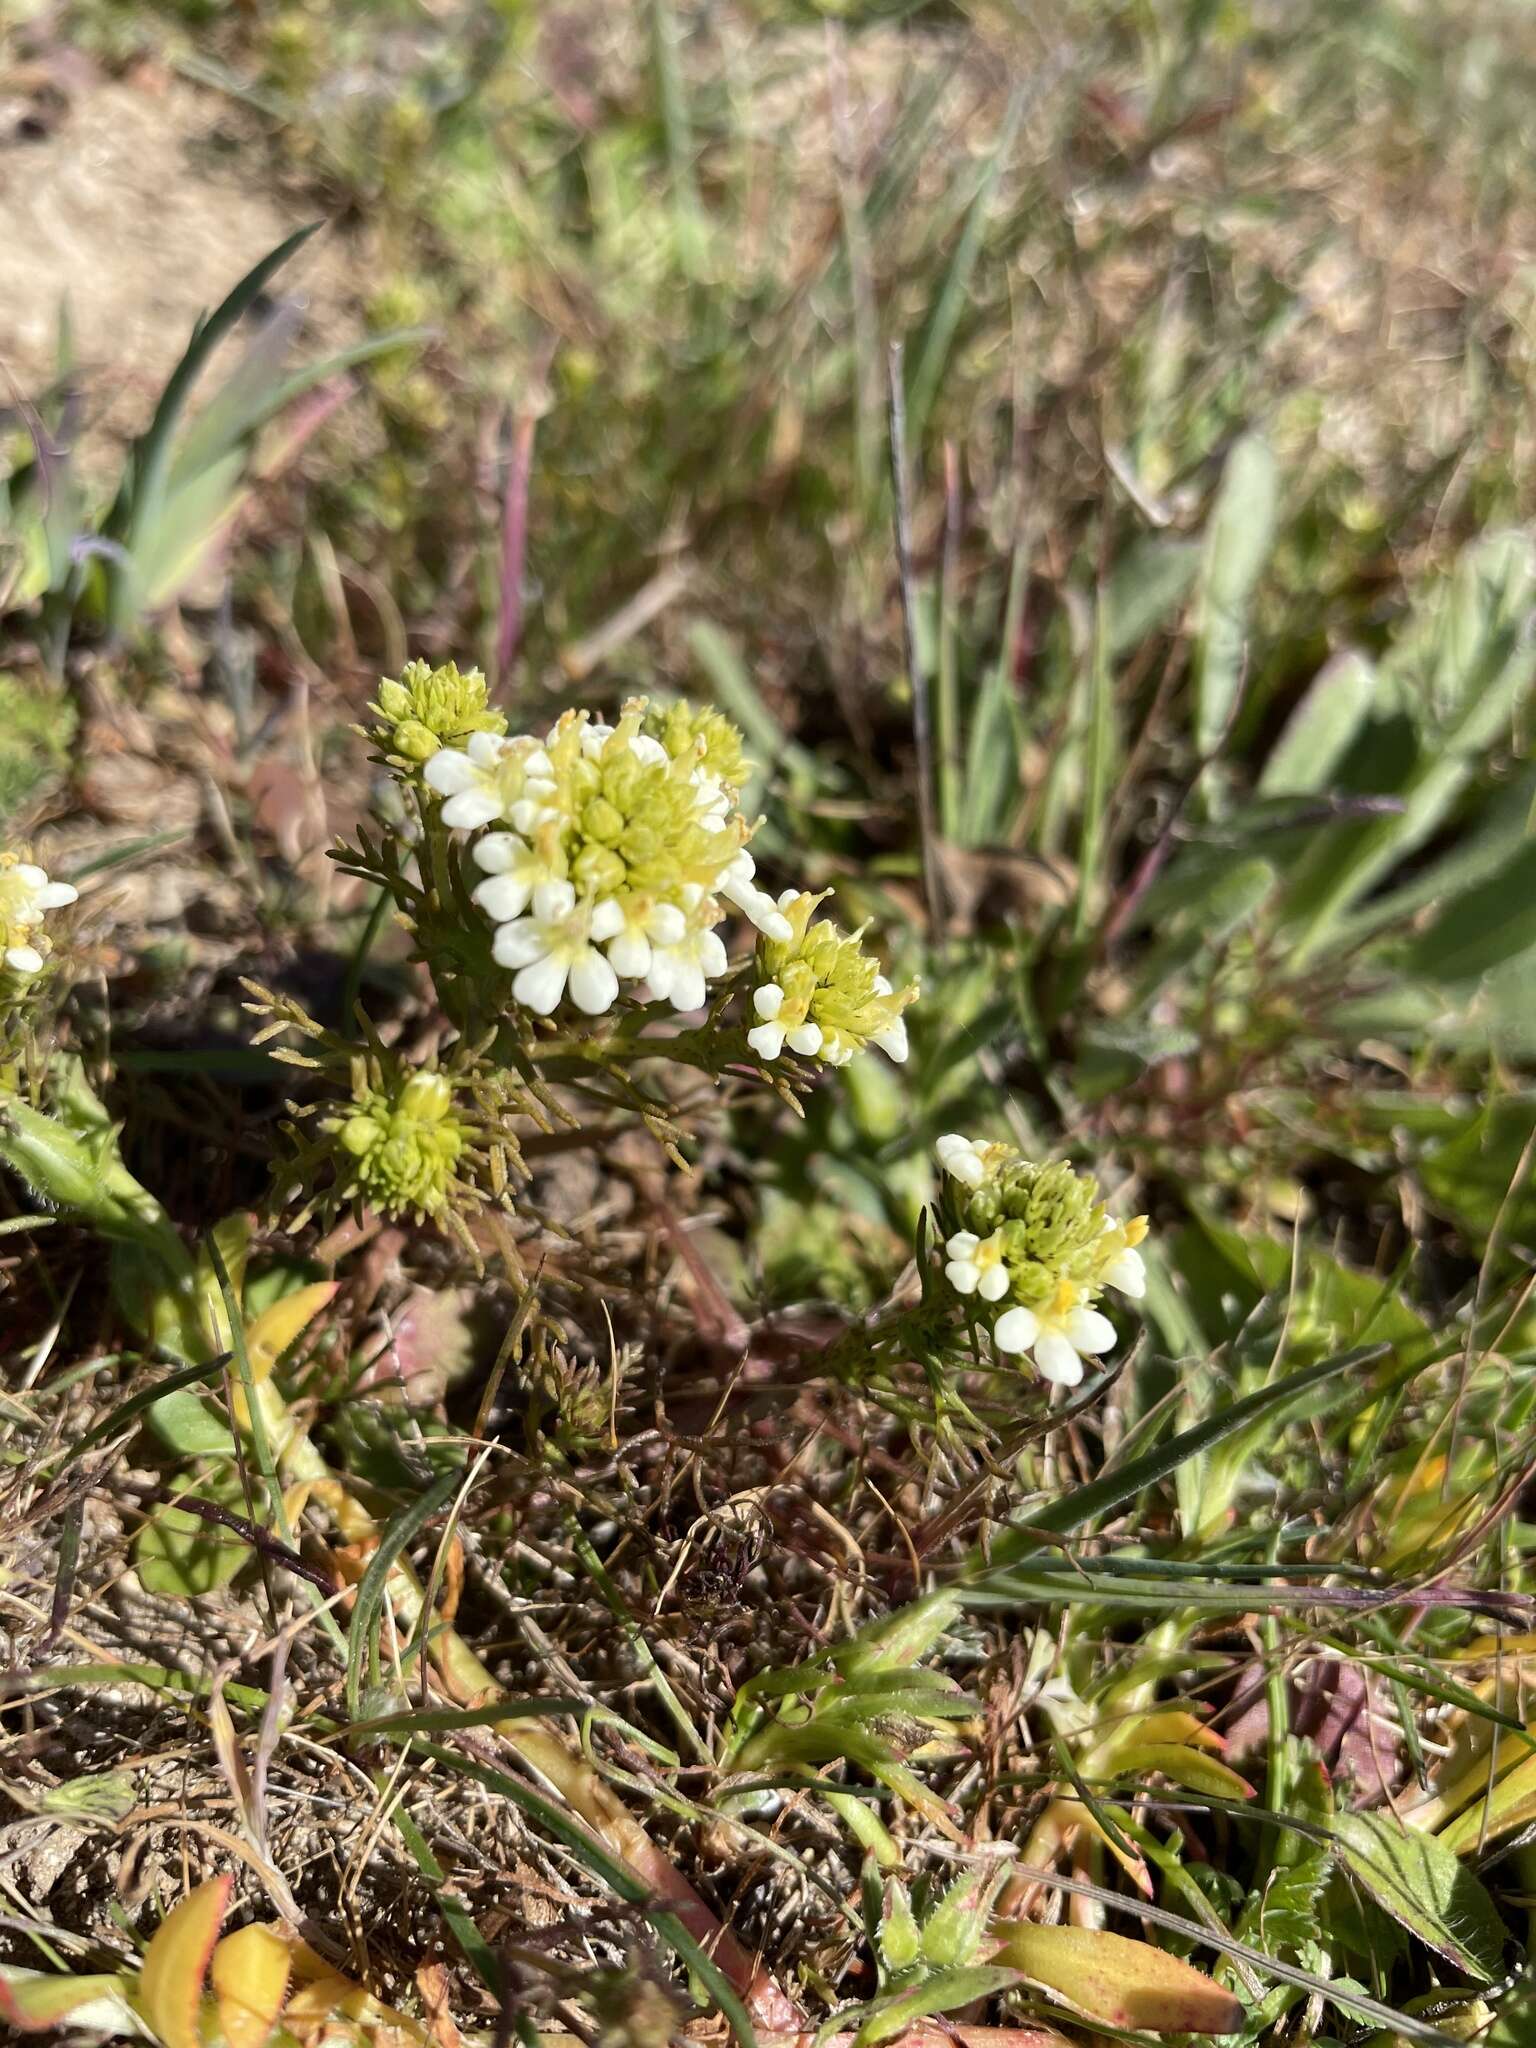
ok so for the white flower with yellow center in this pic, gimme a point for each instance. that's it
(513, 870)
(556, 945)
(962, 1159)
(647, 925)
(491, 779)
(976, 1265)
(1125, 1269)
(26, 897)
(680, 972)
(1058, 1338)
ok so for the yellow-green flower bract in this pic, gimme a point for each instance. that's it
(428, 708)
(398, 1149)
(1036, 1245)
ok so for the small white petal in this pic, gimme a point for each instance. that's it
(1016, 1329)
(24, 959)
(994, 1283)
(1056, 1360)
(768, 1001)
(497, 852)
(711, 952)
(882, 986)
(767, 1041)
(470, 809)
(688, 989)
(630, 955)
(1088, 1331)
(893, 1041)
(962, 1276)
(593, 982)
(806, 1039)
(553, 900)
(607, 920)
(502, 897)
(541, 984)
(54, 895)
(963, 1245)
(485, 749)
(666, 924)
(644, 748)
(958, 1157)
(1127, 1271)
(520, 944)
(29, 872)
(449, 771)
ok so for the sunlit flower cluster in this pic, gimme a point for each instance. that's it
(1037, 1247)
(610, 853)
(26, 897)
(821, 994)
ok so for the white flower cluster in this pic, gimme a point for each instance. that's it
(614, 853)
(26, 896)
(823, 996)
(1037, 1239)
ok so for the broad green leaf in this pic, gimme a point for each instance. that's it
(1421, 1883)
(180, 1554)
(1460, 688)
(1483, 928)
(1237, 544)
(1322, 728)
(1184, 1765)
(186, 1425)
(1122, 1982)
(1151, 579)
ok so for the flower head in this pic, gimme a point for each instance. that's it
(821, 994)
(26, 897)
(430, 708)
(1037, 1242)
(400, 1144)
(632, 833)
(557, 944)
